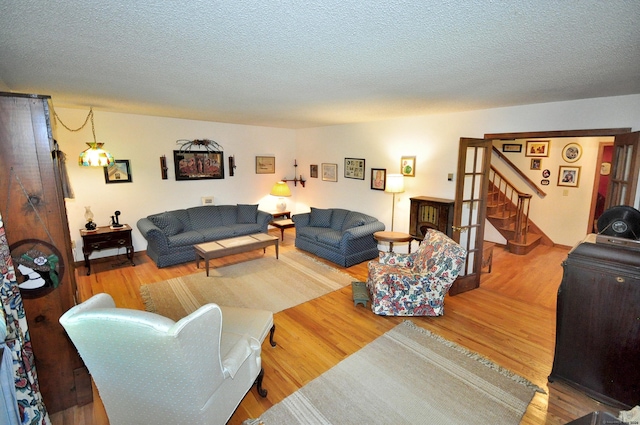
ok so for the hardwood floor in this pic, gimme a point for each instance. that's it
(510, 319)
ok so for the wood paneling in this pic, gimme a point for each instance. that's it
(510, 319)
(33, 209)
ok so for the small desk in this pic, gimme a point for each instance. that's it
(393, 237)
(104, 237)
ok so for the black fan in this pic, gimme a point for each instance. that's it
(622, 221)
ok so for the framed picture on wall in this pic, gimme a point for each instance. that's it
(354, 168)
(408, 166)
(572, 152)
(378, 178)
(537, 148)
(265, 164)
(536, 163)
(198, 165)
(568, 176)
(118, 172)
(330, 172)
(313, 171)
(512, 147)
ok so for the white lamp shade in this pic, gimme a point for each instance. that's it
(395, 183)
(280, 189)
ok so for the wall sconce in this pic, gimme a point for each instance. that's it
(295, 180)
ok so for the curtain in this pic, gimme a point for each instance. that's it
(31, 409)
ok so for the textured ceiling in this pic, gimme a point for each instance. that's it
(310, 63)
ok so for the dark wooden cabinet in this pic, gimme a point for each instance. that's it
(598, 323)
(35, 220)
(430, 213)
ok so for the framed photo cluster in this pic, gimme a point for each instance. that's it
(355, 168)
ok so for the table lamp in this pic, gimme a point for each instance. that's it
(281, 190)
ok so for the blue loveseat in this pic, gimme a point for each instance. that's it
(341, 236)
(171, 235)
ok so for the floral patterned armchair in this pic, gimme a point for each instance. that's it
(415, 284)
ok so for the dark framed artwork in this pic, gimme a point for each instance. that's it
(354, 168)
(265, 164)
(537, 148)
(118, 172)
(313, 171)
(512, 147)
(198, 165)
(378, 178)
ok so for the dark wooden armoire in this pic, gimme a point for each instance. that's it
(35, 219)
(598, 322)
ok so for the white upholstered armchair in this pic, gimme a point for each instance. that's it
(151, 370)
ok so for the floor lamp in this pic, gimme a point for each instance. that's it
(394, 184)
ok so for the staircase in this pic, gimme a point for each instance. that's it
(508, 212)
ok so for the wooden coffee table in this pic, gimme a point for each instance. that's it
(217, 249)
(393, 237)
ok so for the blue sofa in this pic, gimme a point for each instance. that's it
(171, 235)
(341, 236)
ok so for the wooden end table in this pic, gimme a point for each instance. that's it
(393, 237)
(282, 225)
(105, 237)
(217, 249)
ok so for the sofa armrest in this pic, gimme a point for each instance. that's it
(263, 219)
(155, 237)
(365, 230)
(301, 220)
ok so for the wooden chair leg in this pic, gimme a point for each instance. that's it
(258, 383)
(271, 332)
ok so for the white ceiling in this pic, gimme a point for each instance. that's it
(305, 63)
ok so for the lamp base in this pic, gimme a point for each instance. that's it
(281, 205)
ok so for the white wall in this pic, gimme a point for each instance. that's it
(563, 213)
(433, 139)
(142, 140)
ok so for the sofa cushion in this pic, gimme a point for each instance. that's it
(204, 217)
(337, 218)
(229, 214)
(330, 237)
(320, 218)
(191, 237)
(168, 223)
(353, 220)
(247, 213)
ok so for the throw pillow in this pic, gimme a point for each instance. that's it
(320, 218)
(354, 221)
(247, 213)
(169, 224)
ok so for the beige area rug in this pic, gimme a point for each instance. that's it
(407, 376)
(265, 283)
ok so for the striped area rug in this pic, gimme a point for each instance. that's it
(407, 376)
(265, 283)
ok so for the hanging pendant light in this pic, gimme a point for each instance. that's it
(95, 155)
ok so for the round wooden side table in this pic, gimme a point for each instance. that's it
(393, 237)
